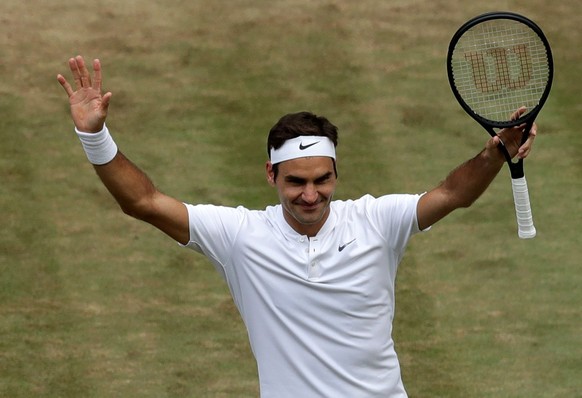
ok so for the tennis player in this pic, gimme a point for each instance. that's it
(312, 277)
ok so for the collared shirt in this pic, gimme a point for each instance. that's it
(318, 310)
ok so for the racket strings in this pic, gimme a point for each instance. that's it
(498, 66)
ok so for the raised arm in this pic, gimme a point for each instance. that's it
(468, 181)
(131, 188)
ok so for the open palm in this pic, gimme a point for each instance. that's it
(88, 105)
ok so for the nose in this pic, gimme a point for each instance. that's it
(310, 194)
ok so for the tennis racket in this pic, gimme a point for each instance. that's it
(496, 63)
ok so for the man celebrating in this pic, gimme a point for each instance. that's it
(312, 278)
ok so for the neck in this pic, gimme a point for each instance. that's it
(308, 229)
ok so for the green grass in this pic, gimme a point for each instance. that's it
(94, 304)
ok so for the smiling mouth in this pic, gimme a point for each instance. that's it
(310, 209)
(309, 206)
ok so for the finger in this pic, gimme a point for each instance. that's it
(525, 149)
(83, 71)
(520, 111)
(105, 101)
(493, 142)
(75, 71)
(533, 132)
(523, 152)
(68, 89)
(97, 80)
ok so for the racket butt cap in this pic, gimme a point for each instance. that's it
(529, 234)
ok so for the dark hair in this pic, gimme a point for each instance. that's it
(294, 125)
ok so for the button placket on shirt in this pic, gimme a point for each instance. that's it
(313, 265)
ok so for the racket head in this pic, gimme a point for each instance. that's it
(498, 62)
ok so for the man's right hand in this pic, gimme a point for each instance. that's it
(88, 105)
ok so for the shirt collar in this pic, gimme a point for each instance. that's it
(291, 234)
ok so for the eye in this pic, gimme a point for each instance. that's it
(295, 181)
(323, 179)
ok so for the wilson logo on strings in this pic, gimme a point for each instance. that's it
(500, 68)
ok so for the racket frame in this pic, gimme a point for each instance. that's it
(532, 114)
(519, 185)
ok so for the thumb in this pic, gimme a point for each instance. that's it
(493, 142)
(105, 101)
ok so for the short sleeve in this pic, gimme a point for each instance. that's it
(213, 231)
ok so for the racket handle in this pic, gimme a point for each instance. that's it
(526, 229)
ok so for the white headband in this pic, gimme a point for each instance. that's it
(303, 146)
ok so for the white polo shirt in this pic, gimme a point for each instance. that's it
(318, 310)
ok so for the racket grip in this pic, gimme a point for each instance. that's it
(526, 229)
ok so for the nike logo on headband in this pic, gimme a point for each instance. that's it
(303, 147)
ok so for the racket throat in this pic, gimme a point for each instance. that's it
(515, 168)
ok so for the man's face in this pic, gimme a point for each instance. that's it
(305, 187)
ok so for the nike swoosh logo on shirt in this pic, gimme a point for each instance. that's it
(341, 247)
(303, 147)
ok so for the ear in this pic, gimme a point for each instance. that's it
(270, 173)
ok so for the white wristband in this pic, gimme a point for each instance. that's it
(99, 147)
